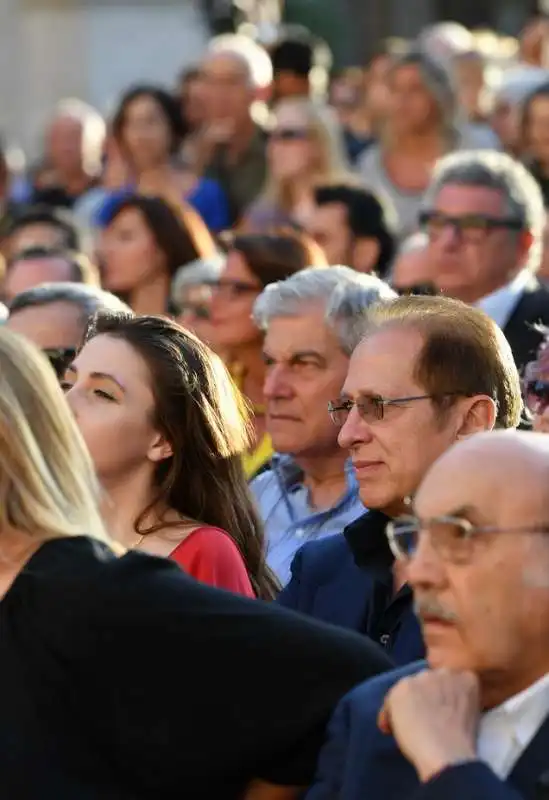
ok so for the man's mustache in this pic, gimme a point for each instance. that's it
(431, 607)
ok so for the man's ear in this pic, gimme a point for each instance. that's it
(479, 415)
(160, 449)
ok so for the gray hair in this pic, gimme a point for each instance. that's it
(251, 56)
(498, 171)
(196, 272)
(94, 129)
(345, 294)
(89, 299)
(440, 83)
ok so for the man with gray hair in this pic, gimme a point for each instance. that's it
(55, 315)
(310, 332)
(236, 72)
(484, 217)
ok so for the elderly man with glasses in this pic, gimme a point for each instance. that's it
(484, 217)
(428, 372)
(475, 724)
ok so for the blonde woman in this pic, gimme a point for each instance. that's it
(120, 677)
(306, 149)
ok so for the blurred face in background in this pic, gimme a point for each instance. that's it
(537, 129)
(193, 101)
(505, 121)
(411, 108)
(472, 249)
(35, 234)
(64, 145)
(346, 97)
(293, 150)
(469, 76)
(377, 89)
(194, 311)
(231, 305)
(130, 256)
(30, 272)
(146, 134)
(226, 89)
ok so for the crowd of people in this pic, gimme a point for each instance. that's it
(274, 390)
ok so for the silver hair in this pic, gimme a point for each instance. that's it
(498, 171)
(252, 56)
(440, 83)
(196, 272)
(89, 299)
(345, 294)
(94, 129)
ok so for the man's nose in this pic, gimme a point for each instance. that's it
(276, 383)
(425, 569)
(354, 431)
(448, 237)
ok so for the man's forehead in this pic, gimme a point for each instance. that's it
(384, 361)
(475, 198)
(300, 332)
(225, 64)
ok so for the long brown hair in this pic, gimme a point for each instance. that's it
(202, 415)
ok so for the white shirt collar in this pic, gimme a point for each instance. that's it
(506, 731)
(499, 305)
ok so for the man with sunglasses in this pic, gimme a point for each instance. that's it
(428, 372)
(54, 316)
(475, 549)
(484, 219)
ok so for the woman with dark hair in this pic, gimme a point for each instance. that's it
(253, 262)
(166, 430)
(142, 247)
(149, 131)
(535, 137)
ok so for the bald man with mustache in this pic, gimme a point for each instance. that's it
(474, 722)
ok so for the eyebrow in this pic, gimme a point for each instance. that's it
(98, 376)
(300, 354)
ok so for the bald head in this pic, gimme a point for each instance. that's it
(504, 475)
(481, 562)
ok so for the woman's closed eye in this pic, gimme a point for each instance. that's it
(104, 395)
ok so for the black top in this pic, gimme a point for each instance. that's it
(123, 678)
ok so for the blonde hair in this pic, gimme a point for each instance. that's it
(333, 167)
(48, 487)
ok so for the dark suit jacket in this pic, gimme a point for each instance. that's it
(532, 309)
(327, 583)
(359, 762)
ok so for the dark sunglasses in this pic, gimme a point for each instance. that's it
(60, 358)
(417, 289)
(200, 312)
(536, 396)
(471, 227)
(289, 134)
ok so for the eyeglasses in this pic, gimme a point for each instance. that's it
(472, 228)
(452, 538)
(536, 396)
(60, 358)
(372, 407)
(229, 289)
(289, 134)
(417, 289)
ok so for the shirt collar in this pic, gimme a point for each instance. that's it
(368, 542)
(524, 712)
(499, 305)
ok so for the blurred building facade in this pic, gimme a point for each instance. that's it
(91, 49)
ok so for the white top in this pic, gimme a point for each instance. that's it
(506, 731)
(499, 305)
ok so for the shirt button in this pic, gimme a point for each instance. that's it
(300, 533)
(384, 639)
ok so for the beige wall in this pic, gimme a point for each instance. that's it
(92, 49)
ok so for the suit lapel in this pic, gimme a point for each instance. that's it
(532, 764)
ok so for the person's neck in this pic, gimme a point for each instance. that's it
(249, 362)
(125, 501)
(324, 477)
(496, 688)
(243, 134)
(151, 298)
(76, 182)
(425, 145)
(474, 294)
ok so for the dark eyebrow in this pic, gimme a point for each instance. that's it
(98, 376)
(304, 354)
